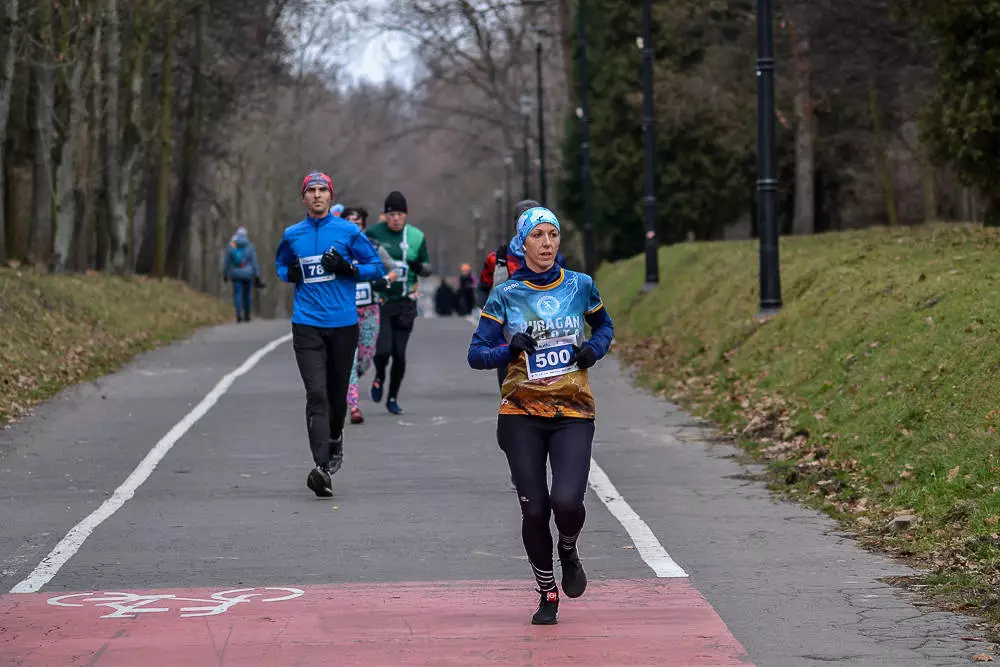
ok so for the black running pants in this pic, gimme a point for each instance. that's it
(393, 336)
(530, 443)
(325, 357)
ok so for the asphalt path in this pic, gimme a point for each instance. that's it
(417, 558)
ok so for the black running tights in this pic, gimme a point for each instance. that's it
(325, 357)
(393, 336)
(530, 443)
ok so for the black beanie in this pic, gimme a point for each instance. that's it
(395, 202)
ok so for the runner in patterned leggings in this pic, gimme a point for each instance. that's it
(369, 305)
(535, 325)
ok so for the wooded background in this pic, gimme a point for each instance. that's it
(137, 135)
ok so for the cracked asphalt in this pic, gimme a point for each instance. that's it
(425, 498)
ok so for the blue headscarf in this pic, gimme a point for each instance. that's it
(527, 222)
(337, 209)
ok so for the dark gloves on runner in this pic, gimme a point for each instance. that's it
(522, 342)
(334, 262)
(258, 283)
(295, 272)
(380, 284)
(583, 356)
(415, 266)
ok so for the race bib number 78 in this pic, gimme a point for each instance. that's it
(313, 271)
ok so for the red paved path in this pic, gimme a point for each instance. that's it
(662, 622)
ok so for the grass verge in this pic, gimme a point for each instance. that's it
(874, 395)
(56, 331)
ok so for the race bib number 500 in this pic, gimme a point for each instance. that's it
(313, 271)
(551, 359)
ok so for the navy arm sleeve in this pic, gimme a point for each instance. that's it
(602, 332)
(489, 348)
(602, 329)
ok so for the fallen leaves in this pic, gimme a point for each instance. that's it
(56, 331)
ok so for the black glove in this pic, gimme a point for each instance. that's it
(295, 273)
(258, 283)
(334, 262)
(380, 284)
(225, 278)
(522, 342)
(415, 266)
(583, 356)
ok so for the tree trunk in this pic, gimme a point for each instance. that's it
(804, 217)
(8, 51)
(166, 151)
(133, 129)
(118, 222)
(930, 190)
(98, 223)
(41, 230)
(882, 157)
(66, 174)
(177, 263)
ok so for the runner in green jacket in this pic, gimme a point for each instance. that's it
(408, 248)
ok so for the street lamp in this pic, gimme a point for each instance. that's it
(767, 182)
(477, 236)
(649, 200)
(540, 34)
(583, 112)
(500, 227)
(526, 104)
(508, 164)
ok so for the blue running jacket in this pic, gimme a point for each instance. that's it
(323, 299)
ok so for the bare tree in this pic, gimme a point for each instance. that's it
(9, 39)
(44, 89)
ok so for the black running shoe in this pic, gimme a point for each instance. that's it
(319, 483)
(574, 579)
(377, 390)
(548, 609)
(336, 455)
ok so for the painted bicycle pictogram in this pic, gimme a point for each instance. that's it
(130, 605)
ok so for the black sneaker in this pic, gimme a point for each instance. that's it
(574, 579)
(548, 609)
(336, 455)
(377, 390)
(319, 483)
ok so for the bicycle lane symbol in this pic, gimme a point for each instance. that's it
(130, 605)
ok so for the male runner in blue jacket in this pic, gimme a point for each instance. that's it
(324, 256)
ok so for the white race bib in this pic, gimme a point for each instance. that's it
(551, 359)
(313, 271)
(363, 294)
(403, 269)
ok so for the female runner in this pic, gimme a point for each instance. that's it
(534, 323)
(368, 304)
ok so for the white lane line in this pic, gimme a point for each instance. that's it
(75, 538)
(645, 541)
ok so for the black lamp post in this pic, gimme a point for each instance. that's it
(589, 259)
(477, 217)
(649, 200)
(526, 137)
(767, 182)
(500, 227)
(543, 195)
(508, 164)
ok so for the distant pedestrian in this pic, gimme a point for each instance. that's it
(444, 299)
(240, 266)
(465, 297)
